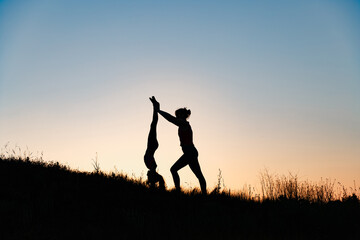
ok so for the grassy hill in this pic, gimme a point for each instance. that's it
(40, 200)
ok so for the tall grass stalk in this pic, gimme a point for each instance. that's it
(277, 187)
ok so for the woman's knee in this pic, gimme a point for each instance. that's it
(173, 170)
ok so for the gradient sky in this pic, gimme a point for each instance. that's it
(271, 84)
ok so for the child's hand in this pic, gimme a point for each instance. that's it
(155, 103)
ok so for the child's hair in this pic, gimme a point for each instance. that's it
(183, 112)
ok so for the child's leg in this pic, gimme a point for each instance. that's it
(152, 145)
(152, 139)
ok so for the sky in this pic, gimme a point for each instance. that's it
(271, 85)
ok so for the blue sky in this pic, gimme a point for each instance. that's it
(270, 84)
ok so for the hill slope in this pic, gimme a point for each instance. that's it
(48, 201)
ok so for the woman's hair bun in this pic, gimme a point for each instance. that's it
(183, 111)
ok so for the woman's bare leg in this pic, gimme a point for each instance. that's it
(195, 167)
(179, 164)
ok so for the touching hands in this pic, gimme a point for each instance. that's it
(155, 103)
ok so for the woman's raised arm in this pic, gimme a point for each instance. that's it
(171, 118)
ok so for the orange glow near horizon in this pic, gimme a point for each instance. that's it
(239, 147)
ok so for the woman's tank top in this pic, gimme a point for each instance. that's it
(186, 135)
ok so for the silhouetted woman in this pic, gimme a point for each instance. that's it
(190, 156)
(152, 145)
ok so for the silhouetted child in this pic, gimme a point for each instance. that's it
(190, 156)
(152, 145)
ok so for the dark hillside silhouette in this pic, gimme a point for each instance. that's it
(41, 200)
